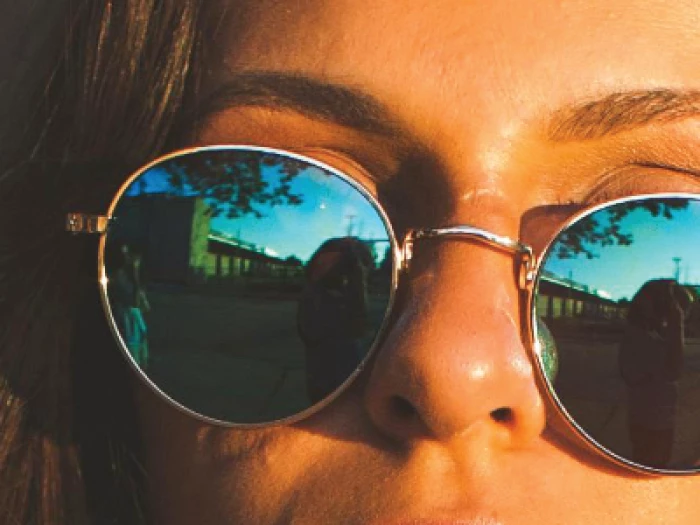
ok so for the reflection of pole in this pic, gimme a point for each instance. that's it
(677, 260)
(570, 295)
(351, 223)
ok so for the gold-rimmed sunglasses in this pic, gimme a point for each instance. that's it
(249, 286)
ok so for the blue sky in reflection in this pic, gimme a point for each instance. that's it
(330, 208)
(620, 271)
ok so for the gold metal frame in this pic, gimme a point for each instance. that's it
(74, 219)
(528, 281)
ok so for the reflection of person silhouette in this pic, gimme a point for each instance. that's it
(651, 362)
(332, 313)
(128, 300)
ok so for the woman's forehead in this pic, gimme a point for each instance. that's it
(471, 79)
(482, 58)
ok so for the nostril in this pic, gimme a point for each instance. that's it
(402, 408)
(502, 415)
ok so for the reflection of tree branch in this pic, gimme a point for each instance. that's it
(232, 183)
(582, 237)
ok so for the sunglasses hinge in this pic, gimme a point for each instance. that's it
(85, 223)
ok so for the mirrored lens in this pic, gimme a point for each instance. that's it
(247, 285)
(618, 293)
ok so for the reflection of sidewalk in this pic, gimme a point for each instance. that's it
(591, 387)
(250, 327)
(228, 325)
(234, 356)
(228, 387)
(589, 384)
(687, 442)
(240, 355)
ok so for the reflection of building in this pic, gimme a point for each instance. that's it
(179, 246)
(230, 257)
(564, 298)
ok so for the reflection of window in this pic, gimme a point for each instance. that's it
(210, 266)
(557, 304)
(542, 306)
(568, 308)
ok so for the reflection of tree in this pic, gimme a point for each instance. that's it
(582, 237)
(232, 182)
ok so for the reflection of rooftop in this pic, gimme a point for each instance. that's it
(216, 238)
(573, 285)
(232, 241)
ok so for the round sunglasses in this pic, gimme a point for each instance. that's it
(249, 286)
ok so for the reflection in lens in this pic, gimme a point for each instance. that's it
(547, 350)
(247, 285)
(618, 293)
(332, 314)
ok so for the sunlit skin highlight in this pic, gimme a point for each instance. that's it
(448, 425)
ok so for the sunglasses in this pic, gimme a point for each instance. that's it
(249, 286)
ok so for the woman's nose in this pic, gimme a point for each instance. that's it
(453, 358)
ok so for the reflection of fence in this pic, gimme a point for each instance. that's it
(563, 298)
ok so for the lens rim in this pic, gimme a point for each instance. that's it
(534, 347)
(111, 321)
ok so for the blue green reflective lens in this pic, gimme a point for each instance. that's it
(617, 292)
(247, 285)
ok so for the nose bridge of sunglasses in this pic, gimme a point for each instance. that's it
(522, 252)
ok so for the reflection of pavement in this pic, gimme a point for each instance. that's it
(240, 355)
(589, 384)
(231, 388)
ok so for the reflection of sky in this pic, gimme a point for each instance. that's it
(154, 180)
(622, 270)
(330, 208)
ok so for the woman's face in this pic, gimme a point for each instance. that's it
(505, 115)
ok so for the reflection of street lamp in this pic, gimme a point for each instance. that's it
(677, 260)
(570, 294)
(351, 223)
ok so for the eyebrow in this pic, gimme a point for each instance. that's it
(353, 108)
(619, 112)
(342, 105)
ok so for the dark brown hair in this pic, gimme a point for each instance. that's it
(69, 447)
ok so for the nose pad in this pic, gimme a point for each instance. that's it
(453, 360)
